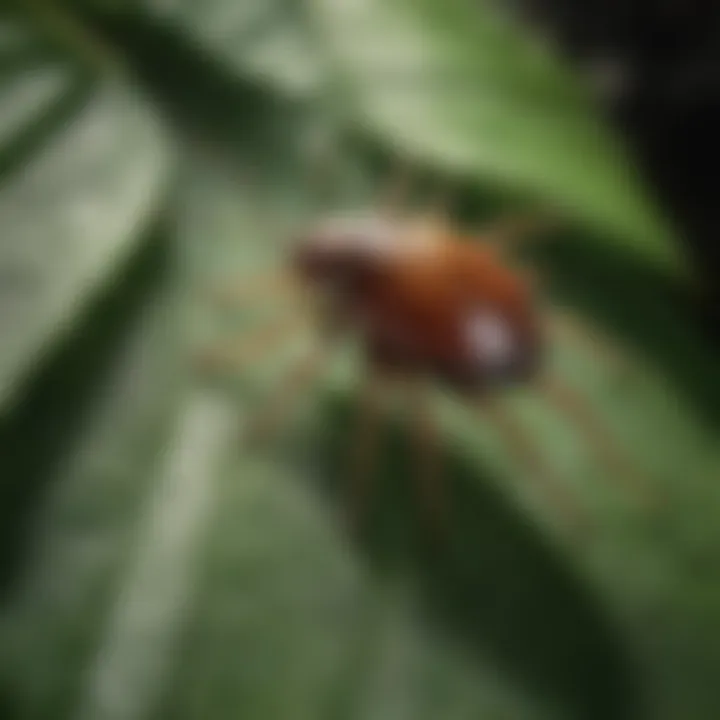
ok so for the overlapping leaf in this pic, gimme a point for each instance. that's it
(88, 357)
(84, 165)
(458, 85)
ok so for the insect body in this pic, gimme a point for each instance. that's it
(429, 303)
(425, 300)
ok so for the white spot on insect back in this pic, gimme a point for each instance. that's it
(490, 339)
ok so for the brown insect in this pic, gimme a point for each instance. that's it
(429, 303)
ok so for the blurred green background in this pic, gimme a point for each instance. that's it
(153, 567)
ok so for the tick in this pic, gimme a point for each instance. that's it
(428, 303)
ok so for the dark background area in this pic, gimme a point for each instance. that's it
(657, 70)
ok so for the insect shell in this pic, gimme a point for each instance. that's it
(424, 299)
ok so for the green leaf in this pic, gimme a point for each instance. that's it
(83, 166)
(456, 85)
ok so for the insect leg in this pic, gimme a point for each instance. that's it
(574, 407)
(427, 455)
(265, 422)
(364, 446)
(519, 443)
(238, 352)
(563, 324)
(276, 283)
(394, 197)
(513, 230)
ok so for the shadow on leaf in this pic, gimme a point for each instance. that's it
(494, 582)
(37, 435)
(237, 119)
(644, 311)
